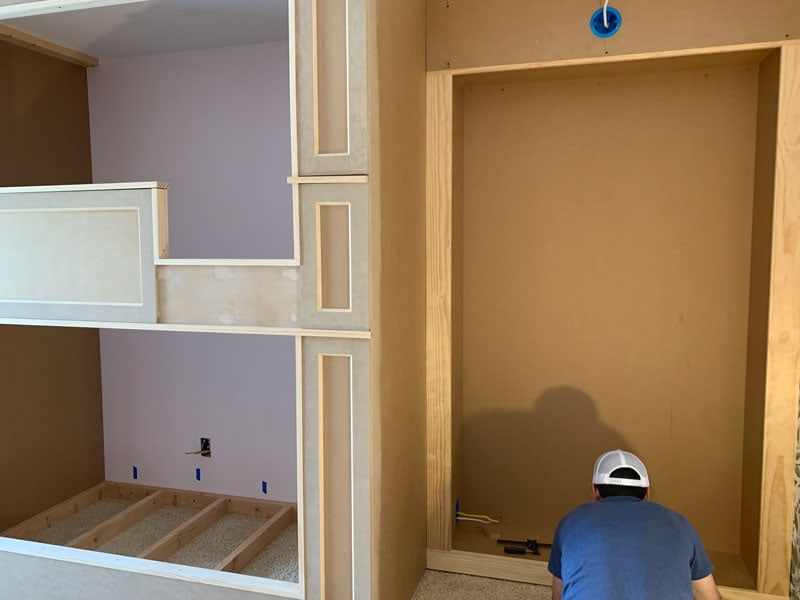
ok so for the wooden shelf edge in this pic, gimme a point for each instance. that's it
(573, 62)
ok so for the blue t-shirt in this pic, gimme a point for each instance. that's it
(624, 548)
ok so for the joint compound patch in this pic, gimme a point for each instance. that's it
(290, 274)
(227, 318)
(224, 273)
(164, 273)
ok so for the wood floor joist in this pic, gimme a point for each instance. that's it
(110, 528)
(252, 546)
(56, 514)
(187, 531)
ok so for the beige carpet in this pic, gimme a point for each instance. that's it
(436, 585)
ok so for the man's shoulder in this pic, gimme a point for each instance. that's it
(591, 510)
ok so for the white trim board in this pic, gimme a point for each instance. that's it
(242, 330)
(86, 187)
(30, 8)
(222, 580)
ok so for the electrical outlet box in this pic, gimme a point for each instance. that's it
(205, 446)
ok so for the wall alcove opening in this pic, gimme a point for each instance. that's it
(103, 465)
(612, 229)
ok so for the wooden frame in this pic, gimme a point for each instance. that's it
(147, 500)
(783, 370)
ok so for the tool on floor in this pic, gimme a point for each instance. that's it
(522, 547)
(518, 550)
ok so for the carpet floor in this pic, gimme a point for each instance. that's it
(436, 585)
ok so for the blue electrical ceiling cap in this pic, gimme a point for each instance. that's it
(598, 26)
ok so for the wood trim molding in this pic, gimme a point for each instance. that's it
(593, 60)
(42, 46)
(484, 565)
(439, 307)
(783, 365)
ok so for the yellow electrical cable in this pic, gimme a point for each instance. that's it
(482, 517)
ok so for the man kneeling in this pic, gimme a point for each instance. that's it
(624, 547)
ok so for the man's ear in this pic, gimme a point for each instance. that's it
(596, 493)
(647, 494)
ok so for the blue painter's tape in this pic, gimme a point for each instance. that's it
(598, 26)
(197, 474)
(264, 486)
(135, 472)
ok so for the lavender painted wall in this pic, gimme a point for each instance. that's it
(214, 124)
(163, 391)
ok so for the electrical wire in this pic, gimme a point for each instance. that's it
(462, 516)
(605, 14)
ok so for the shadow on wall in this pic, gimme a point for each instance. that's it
(530, 468)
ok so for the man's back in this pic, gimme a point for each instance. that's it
(624, 548)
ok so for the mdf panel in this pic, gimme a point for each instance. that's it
(336, 468)
(82, 254)
(66, 578)
(333, 256)
(44, 117)
(397, 233)
(758, 316)
(52, 418)
(330, 57)
(331, 78)
(334, 272)
(229, 295)
(606, 285)
(472, 33)
(50, 389)
(335, 409)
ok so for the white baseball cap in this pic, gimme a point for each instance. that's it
(616, 459)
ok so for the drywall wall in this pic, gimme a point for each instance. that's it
(163, 391)
(215, 125)
(606, 286)
(50, 388)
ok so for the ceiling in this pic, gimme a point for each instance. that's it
(158, 26)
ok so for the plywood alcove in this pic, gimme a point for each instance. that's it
(607, 258)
